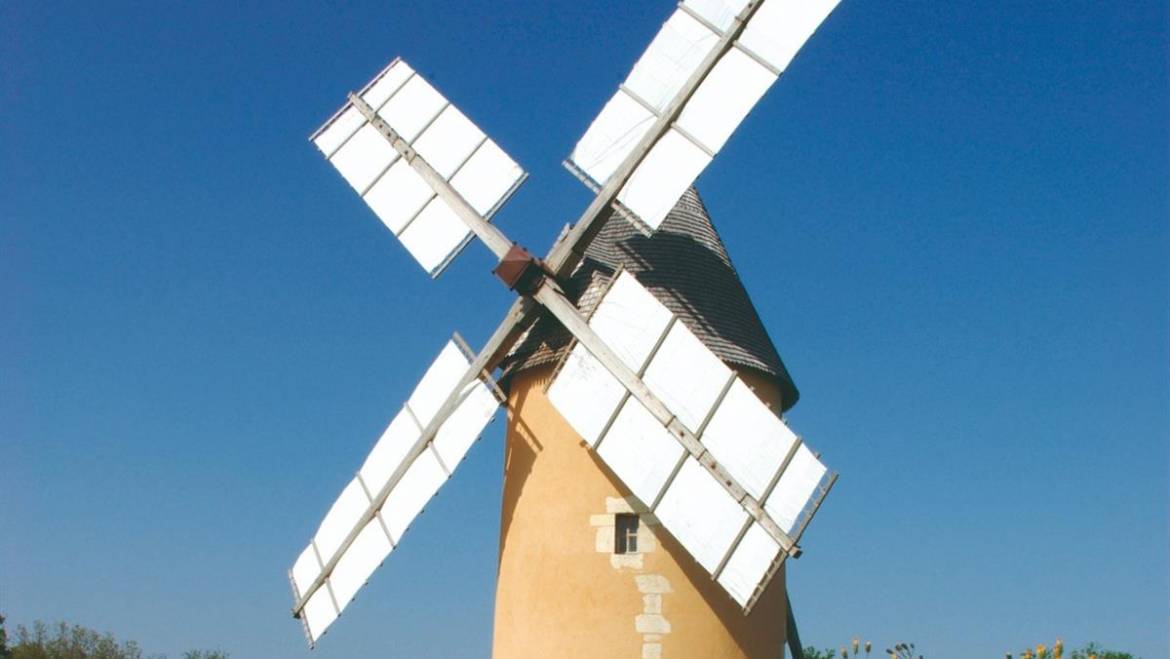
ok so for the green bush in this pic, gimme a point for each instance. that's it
(64, 641)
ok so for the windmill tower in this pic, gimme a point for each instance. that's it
(645, 597)
(647, 461)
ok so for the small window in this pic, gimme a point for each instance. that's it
(625, 533)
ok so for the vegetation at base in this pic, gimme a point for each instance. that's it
(1090, 651)
(830, 653)
(64, 641)
(908, 651)
(4, 653)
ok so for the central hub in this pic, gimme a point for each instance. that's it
(520, 270)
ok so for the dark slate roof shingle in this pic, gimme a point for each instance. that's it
(685, 265)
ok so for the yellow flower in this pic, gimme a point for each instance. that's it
(1041, 651)
(856, 645)
(1058, 649)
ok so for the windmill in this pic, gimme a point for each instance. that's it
(694, 449)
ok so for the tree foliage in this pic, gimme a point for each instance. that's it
(1092, 650)
(64, 641)
(4, 651)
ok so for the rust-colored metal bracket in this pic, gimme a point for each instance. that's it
(520, 270)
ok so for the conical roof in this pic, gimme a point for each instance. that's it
(685, 265)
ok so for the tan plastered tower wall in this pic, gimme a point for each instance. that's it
(563, 593)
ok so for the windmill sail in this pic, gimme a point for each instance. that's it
(402, 473)
(739, 432)
(724, 474)
(728, 88)
(393, 181)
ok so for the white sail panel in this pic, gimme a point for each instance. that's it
(701, 515)
(781, 27)
(381, 88)
(398, 196)
(411, 109)
(796, 488)
(341, 518)
(390, 451)
(435, 236)
(408, 498)
(436, 384)
(363, 157)
(719, 13)
(748, 566)
(318, 614)
(586, 394)
(450, 158)
(668, 170)
(686, 376)
(449, 141)
(611, 138)
(670, 59)
(640, 451)
(330, 138)
(487, 179)
(465, 424)
(369, 549)
(747, 438)
(305, 570)
(722, 101)
(630, 320)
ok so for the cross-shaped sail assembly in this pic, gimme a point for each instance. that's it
(683, 432)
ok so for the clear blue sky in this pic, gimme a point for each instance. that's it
(952, 216)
